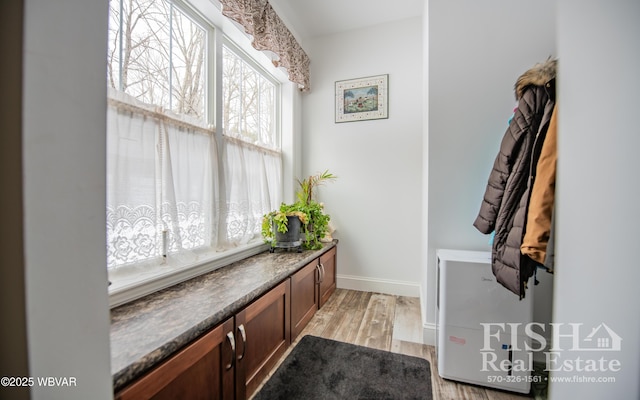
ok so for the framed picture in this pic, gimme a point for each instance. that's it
(362, 99)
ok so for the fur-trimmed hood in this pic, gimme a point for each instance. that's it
(537, 75)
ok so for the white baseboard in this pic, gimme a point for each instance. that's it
(429, 334)
(363, 284)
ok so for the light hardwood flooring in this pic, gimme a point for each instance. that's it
(390, 323)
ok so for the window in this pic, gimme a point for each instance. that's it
(178, 191)
(161, 158)
(253, 168)
(249, 102)
(157, 55)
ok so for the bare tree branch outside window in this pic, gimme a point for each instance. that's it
(249, 108)
(157, 55)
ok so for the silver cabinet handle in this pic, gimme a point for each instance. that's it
(232, 342)
(243, 334)
(321, 272)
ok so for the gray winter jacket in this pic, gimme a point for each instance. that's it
(505, 202)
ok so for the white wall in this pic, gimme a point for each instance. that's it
(477, 50)
(64, 190)
(429, 335)
(376, 201)
(598, 187)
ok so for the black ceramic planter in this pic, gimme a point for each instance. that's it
(289, 239)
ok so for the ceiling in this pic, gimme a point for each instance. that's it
(311, 18)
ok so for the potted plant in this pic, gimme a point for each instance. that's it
(283, 227)
(306, 212)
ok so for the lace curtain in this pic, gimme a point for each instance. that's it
(161, 183)
(162, 186)
(259, 20)
(253, 179)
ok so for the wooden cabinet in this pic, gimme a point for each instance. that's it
(233, 359)
(267, 331)
(328, 275)
(228, 362)
(202, 370)
(304, 296)
(311, 287)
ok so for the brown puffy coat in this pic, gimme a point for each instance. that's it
(536, 238)
(505, 203)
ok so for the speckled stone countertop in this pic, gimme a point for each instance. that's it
(148, 330)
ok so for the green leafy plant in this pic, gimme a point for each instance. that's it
(305, 193)
(310, 212)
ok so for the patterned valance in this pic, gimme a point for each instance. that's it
(269, 33)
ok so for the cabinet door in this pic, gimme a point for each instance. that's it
(304, 297)
(327, 275)
(266, 325)
(202, 370)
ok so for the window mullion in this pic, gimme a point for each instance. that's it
(259, 109)
(220, 206)
(242, 100)
(120, 50)
(170, 55)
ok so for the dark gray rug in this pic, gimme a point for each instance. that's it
(324, 369)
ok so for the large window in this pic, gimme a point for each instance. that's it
(180, 192)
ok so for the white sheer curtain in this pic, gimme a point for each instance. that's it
(253, 179)
(161, 183)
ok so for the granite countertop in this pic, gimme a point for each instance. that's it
(148, 330)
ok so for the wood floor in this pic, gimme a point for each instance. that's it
(391, 323)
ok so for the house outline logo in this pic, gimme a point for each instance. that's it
(602, 338)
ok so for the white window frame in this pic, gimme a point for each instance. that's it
(132, 283)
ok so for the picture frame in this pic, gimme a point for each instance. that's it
(362, 99)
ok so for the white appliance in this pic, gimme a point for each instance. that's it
(467, 351)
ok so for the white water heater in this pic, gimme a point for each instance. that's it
(468, 351)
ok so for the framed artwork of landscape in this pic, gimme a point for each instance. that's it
(362, 99)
